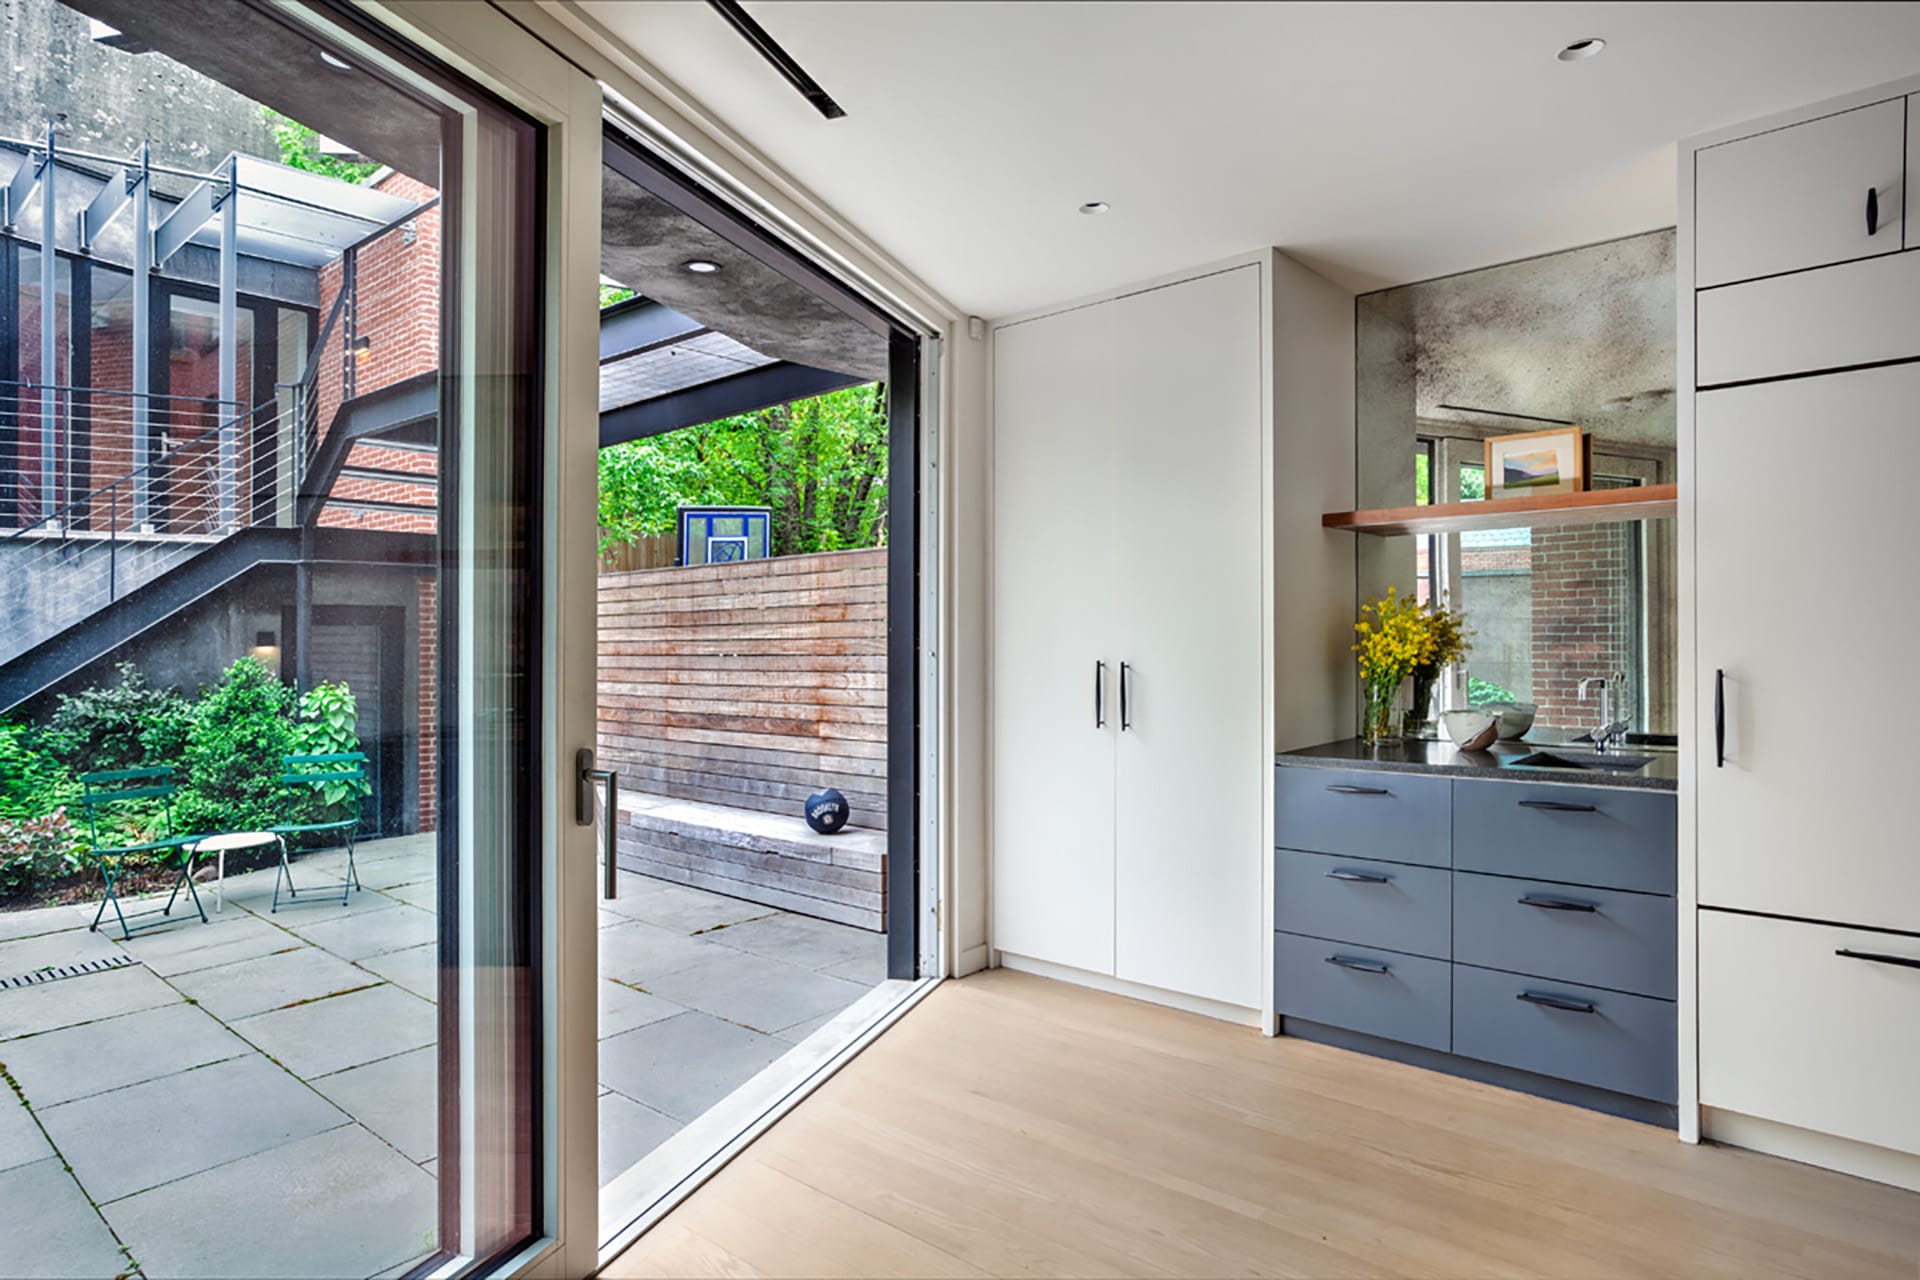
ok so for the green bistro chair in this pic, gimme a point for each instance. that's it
(106, 790)
(302, 773)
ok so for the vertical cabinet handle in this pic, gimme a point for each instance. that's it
(1099, 695)
(1719, 719)
(1126, 702)
(1873, 210)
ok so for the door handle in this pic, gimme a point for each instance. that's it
(1099, 694)
(1126, 697)
(1719, 719)
(583, 797)
(1873, 210)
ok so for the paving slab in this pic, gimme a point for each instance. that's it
(636, 953)
(37, 920)
(21, 1141)
(868, 969)
(754, 991)
(370, 933)
(50, 950)
(75, 1062)
(424, 894)
(417, 969)
(393, 873)
(622, 1008)
(333, 1034)
(246, 987)
(684, 1064)
(337, 1204)
(50, 1230)
(628, 1131)
(802, 940)
(72, 1001)
(233, 935)
(131, 1139)
(681, 908)
(397, 1098)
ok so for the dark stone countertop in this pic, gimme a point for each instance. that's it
(1442, 757)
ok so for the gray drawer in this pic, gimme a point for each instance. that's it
(1363, 901)
(1401, 817)
(1625, 1044)
(1611, 837)
(1405, 999)
(1626, 941)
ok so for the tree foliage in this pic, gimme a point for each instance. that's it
(233, 756)
(300, 149)
(819, 463)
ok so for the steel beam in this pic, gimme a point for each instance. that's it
(49, 321)
(760, 388)
(20, 189)
(105, 205)
(184, 222)
(142, 323)
(641, 324)
(229, 345)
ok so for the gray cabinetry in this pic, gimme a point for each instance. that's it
(1527, 926)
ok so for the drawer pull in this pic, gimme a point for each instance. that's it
(1358, 877)
(1905, 962)
(1554, 904)
(1358, 966)
(1557, 806)
(1557, 1002)
(1873, 211)
(1359, 791)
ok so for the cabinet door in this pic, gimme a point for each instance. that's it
(1052, 622)
(1797, 197)
(1804, 534)
(1193, 769)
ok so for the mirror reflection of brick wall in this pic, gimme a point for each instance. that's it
(1586, 593)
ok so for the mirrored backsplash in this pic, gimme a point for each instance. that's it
(1582, 338)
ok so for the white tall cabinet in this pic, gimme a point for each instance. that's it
(1133, 621)
(1802, 411)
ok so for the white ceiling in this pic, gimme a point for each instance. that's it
(1380, 143)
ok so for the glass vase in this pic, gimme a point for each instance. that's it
(1382, 714)
(1421, 720)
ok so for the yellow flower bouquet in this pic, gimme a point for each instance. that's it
(1398, 638)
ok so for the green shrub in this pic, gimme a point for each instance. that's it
(241, 729)
(328, 724)
(32, 782)
(1479, 691)
(34, 851)
(119, 726)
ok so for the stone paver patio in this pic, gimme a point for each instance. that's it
(256, 1096)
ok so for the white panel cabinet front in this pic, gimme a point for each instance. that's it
(1798, 197)
(1053, 620)
(1811, 1025)
(1806, 610)
(1192, 772)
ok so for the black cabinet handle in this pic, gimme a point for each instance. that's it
(1557, 806)
(1557, 1002)
(1719, 718)
(1358, 877)
(1905, 962)
(1873, 210)
(1358, 966)
(1126, 705)
(1553, 904)
(1099, 695)
(1359, 791)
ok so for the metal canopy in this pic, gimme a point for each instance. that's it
(287, 215)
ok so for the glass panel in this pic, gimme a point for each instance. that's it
(42, 454)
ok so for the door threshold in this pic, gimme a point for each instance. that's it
(674, 1170)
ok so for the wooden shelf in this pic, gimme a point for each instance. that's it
(1541, 511)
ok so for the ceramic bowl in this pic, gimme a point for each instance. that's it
(1515, 717)
(1471, 728)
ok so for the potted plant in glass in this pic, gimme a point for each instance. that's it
(1393, 642)
(1449, 639)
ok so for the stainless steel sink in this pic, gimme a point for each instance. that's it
(1581, 760)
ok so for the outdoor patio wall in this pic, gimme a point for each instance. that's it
(750, 685)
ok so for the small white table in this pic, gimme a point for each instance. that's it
(231, 840)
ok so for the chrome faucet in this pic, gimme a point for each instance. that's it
(1610, 730)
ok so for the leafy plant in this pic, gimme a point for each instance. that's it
(1479, 691)
(328, 725)
(300, 149)
(233, 756)
(118, 726)
(36, 850)
(819, 463)
(612, 293)
(32, 782)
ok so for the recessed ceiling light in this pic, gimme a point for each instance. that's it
(701, 266)
(338, 64)
(1095, 206)
(1581, 49)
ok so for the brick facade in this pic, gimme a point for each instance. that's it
(1585, 589)
(427, 701)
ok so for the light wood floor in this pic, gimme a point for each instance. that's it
(1012, 1126)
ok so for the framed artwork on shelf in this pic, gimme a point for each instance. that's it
(1557, 461)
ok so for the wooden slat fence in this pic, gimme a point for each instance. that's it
(749, 685)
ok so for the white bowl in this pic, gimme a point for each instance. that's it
(1471, 728)
(1515, 717)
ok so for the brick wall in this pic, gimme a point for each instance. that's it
(1584, 589)
(428, 701)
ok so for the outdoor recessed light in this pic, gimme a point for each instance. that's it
(338, 64)
(701, 266)
(1095, 206)
(1581, 49)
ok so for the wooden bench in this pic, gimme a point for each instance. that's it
(760, 857)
